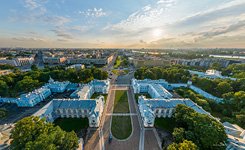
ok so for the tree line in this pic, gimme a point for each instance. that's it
(21, 82)
(175, 74)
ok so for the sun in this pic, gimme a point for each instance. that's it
(157, 33)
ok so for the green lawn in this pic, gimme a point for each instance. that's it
(165, 123)
(121, 127)
(95, 95)
(139, 94)
(121, 102)
(69, 124)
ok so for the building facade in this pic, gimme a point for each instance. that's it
(159, 107)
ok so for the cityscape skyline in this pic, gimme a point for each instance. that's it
(123, 24)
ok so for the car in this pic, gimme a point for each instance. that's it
(110, 138)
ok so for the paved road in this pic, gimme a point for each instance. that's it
(132, 143)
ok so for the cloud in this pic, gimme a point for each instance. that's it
(95, 12)
(232, 8)
(63, 33)
(29, 39)
(56, 20)
(31, 4)
(142, 41)
(149, 16)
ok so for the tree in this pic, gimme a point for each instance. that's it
(27, 84)
(3, 88)
(223, 87)
(216, 66)
(179, 134)
(239, 98)
(34, 67)
(185, 145)
(201, 129)
(3, 112)
(34, 133)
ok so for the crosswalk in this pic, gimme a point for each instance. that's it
(121, 114)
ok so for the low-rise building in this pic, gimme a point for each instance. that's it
(87, 90)
(155, 88)
(5, 72)
(76, 66)
(80, 107)
(204, 62)
(54, 60)
(149, 61)
(73, 108)
(33, 98)
(19, 61)
(56, 86)
(160, 107)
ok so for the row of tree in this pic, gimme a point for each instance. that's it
(219, 87)
(203, 131)
(231, 110)
(20, 82)
(197, 98)
(175, 74)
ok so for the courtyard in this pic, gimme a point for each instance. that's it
(72, 124)
(167, 124)
(121, 102)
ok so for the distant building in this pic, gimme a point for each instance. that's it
(211, 73)
(5, 72)
(19, 61)
(149, 61)
(54, 60)
(203, 62)
(76, 66)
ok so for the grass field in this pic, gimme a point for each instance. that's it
(165, 124)
(69, 124)
(121, 102)
(139, 94)
(121, 127)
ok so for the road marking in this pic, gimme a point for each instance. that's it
(121, 114)
(142, 135)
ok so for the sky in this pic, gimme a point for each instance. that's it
(122, 23)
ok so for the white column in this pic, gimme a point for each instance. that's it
(165, 113)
